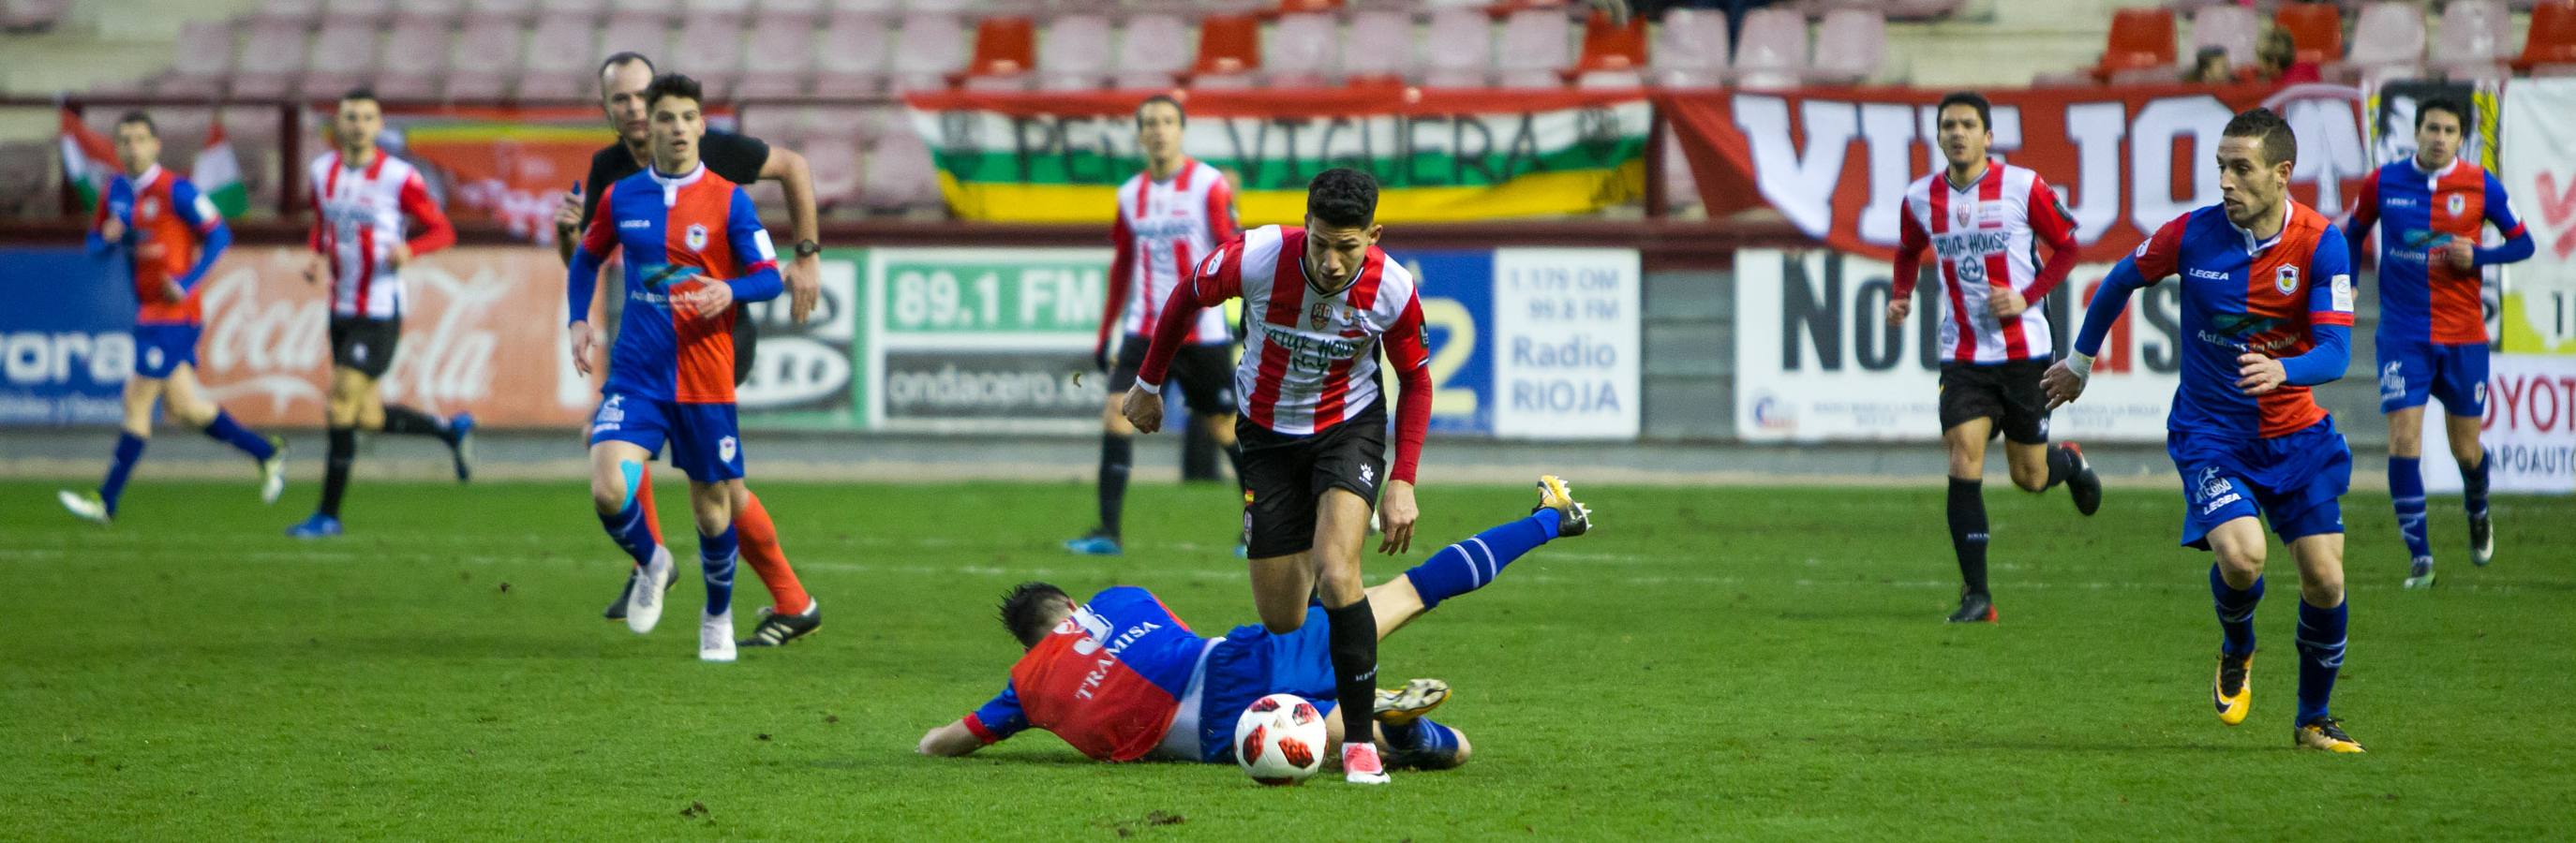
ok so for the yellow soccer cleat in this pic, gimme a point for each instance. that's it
(2324, 733)
(1573, 518)
(1416, 698)
(2231, 689)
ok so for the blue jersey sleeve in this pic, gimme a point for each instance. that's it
(597, 243)
(2330, 303)
(1000, 718)
(2517, 241)
(752, 254)
(199, 213)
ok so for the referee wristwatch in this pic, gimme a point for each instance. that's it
(808, 248)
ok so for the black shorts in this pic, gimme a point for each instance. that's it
(1206, 373)
(1284, 476)
(746, 342)
(366, 345)
(2009, 393)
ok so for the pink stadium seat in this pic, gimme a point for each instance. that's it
(439, 10)
(200, 61)
(897, 174)
(485, 59)
(852, 57)
(414, 59)
(2388, 40)
(1461, 51)
(1534, 49)
(1772, 51)
(1378, 49)
(1303, 51)
(1851, 44)
(559, 57)
(303, 10)
(778, 58)
(2229, 27)
(516, 10)
(643, 32)
(1074, 53)
(932, 47)
(2476, 37)
(270, 60)
(1153, 52)
(366, 11)
(833, 163)
(591, 9)
(860, 123)
(344, 57)
(817, 8)
(714, 53)
(665, 9)
(739, 9)
(1690, 50)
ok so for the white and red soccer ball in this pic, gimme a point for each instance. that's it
(1280, 739)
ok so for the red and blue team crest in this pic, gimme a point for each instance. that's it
(2455, 204)
(2286, 280)
(150, 209)
(697, 237)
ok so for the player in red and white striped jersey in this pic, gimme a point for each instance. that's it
(362, 199)
(1983, 221)
(1319, 303)
(1172, 214)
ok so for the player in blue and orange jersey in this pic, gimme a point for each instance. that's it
(2266, 314)
(171, 235)
(1120, 677)
(694, 248)
(2432, 336)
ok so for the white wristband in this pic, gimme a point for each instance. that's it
(2081, 364)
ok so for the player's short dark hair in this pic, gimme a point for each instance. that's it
(1166, 99)
(2459, 111)
(362, 92)
(133, 117)
(1030, 610)
(1342, 197)
(1971, 99)
(2280, 145)
(622, 57)
(673, 85)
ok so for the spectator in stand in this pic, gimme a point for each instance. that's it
(2211, 67)
(2278, 60)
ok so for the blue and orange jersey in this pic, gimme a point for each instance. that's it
(679, 233)
(2420, 213)
(1108, 680)
(2289, 297)
(172, 233)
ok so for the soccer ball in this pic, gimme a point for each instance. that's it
(1280, 739)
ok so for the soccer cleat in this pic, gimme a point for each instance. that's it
(715, 638)
(2085, 486)
(1242, 550)
(319, 526)
(460, 443)
(1975, 608)
(616, 610)
(2231, 690)
(1572, 517)
(644, 605)
(272, 471)
(86, 506)
(775, 629)
(1360, 764)
(2324, 733)
(1402, 705)
(1095, 543)
(2481, 539)
(2421, 575)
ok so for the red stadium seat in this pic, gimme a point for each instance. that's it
(415, 57)
(271, 58)
(344, 57)
(850, 60)
(1690, 49)
(2228, 27)
(1075, 54)
(2141, 39)
(1229, 51)
(933, 47)
(1307, 7)
(485, 59)
(1304, 50)
(1851, 45)
(1772, 51)
(2317, 29)
(778, 58)
(1150, 54)
(1378, 50)
(2388, 39)
(2551, 39)
(2474, 39)
(898, 175)
(1005, 52)
(1534, 49)
(1464, 55)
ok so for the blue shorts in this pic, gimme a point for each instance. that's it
(2409, 370)
(1252, 663)
(161, 349)
(705, 442)
(2292, 480)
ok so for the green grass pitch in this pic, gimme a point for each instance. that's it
(1728, 663)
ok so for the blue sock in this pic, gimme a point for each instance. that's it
(2473, 486)
(628, 528)
(1422, 744)
(2321, 644)
(230, 432)
(2235, 612)
(2406, 486)
(716, 555)
(1471, 564)
(129, 448)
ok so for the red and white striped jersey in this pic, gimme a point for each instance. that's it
(1164, 228)
(1983, 239)
(358, 217)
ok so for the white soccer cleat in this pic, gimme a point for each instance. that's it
(272, 471)
(644, 601)
(715, 638)
(86, 506)
(1360, 764)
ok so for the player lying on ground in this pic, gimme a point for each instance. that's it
(1120, 678)
(171, 236)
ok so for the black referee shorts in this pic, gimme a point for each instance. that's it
(2007, 392)
(364, 344)
(1285, 476)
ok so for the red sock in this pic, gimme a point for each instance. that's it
(644, 498)
(760, 548)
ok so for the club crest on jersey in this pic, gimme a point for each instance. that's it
(150, 208)
(2286, 280)
(2455, 204)
(696, 237)
(1959, 216)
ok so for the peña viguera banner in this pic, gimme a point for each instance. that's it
(1437, 155)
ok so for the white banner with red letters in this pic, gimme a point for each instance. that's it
(2529, 431)
(2539, 152)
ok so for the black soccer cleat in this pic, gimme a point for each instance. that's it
(2085, 486)
(775, 629)
(1975, 608)
(2481, 539)
(617, 608)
